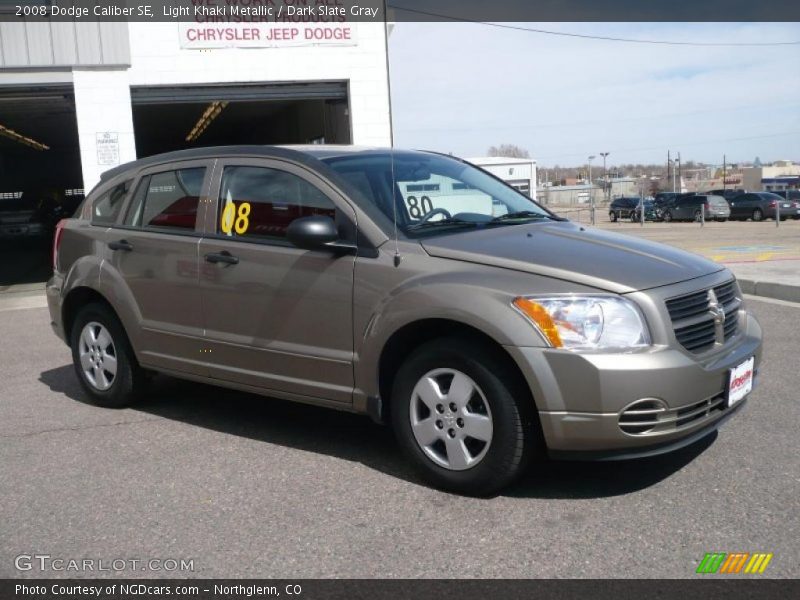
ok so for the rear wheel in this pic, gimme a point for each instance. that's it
(758, 215)
(613, 216)
(698, 216)
(103, 359)
(459, 416)
(634, 217)
(667, 216)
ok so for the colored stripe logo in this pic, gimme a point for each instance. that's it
(736, 562)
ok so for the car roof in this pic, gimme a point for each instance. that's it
(301, 152)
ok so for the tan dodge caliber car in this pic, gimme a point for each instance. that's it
(410, 286)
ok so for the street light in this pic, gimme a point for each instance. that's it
(605, 176)
(591, 196)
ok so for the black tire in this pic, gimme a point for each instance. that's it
(516, 432)
(129, 380)
(758, 215)
(634, 218)
(667, 217)
(697, 216)
(613, 216)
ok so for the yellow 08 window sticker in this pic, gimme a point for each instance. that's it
(234, 219)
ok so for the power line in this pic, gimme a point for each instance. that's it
(591, 37)
(681, 144)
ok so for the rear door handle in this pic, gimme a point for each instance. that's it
(222, 257)
(121, 245)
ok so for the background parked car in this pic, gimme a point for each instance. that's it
(689, 207)
(661, 199)
(21, 218)
(727, 193)
(622, 208)
(788, 194)
(650, 213)
(794, 197)
(762, 205)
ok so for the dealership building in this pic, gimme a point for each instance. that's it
(77, 98)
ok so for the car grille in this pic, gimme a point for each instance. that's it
(651, 416)
(694, 324)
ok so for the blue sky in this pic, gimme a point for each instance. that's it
(462, 87)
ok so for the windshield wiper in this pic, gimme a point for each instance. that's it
(525, 214)
(450, 222)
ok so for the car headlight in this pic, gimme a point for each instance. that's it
(587, 322)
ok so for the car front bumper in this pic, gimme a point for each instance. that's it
(580, 397)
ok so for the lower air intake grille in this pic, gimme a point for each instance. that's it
(651, 416)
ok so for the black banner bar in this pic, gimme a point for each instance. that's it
(349, 11)
(705, 587)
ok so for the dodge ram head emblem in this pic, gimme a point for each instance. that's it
(717, 311)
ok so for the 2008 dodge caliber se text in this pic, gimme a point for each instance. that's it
(485, 329)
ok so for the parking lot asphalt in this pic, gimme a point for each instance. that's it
(252, 487)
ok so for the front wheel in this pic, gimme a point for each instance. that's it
(758, 215)
(667, 217)
(634, 217)
(613, 216)
(461, 418)
(103, 359)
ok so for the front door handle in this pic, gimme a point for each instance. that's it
(124, 245)
(222, 257)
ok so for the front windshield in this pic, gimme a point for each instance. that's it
(435, 193)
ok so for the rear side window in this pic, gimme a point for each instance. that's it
(260, 203)
(167, 200)
(107, 206)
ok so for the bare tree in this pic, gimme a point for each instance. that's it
(508, 151)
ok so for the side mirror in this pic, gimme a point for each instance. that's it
(316, 233)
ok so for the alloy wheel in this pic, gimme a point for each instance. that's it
(451, 419)
(98, 356)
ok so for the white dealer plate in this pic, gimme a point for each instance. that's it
(740, 381)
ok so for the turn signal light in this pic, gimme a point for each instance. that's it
(536, 313)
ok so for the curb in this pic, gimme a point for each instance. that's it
(768, 289)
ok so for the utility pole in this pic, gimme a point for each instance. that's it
(680, 178)
(724, 172)
(669, 162)
(591, 195)
(607, 189)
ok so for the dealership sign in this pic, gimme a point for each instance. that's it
(265, 35)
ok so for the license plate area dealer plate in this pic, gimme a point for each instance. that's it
(740, 381)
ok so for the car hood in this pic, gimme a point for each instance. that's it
(601, 259)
